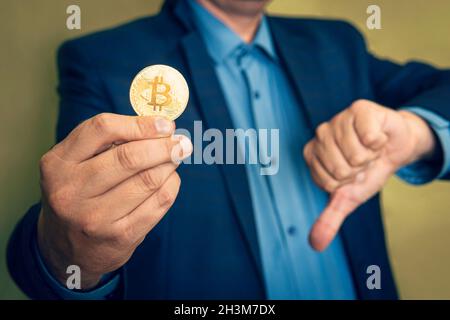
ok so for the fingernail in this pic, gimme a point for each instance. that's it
(182, 149)
(163, 126)
(186, 145)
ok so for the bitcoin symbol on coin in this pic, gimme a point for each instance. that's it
(155, 102)
(159, 90)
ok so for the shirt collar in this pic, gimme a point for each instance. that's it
(221, 41)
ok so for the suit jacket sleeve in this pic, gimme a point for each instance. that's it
(414, 84)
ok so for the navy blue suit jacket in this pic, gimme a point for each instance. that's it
(206, 246)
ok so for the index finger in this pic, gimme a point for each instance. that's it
(98, 133)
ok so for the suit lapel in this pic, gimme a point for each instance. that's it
(214, 113)
(304, 67)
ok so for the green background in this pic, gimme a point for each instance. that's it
(417, 219)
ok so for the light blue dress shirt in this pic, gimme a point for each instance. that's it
(286, 204)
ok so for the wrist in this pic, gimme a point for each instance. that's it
(423, 140)
(54, 255)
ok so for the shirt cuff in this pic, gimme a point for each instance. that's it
(108, 284)
(422, 172)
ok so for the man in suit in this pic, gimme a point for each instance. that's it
(231, 233)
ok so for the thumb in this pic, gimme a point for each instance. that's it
(326, 227)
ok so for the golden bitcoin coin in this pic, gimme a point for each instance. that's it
(159, 90)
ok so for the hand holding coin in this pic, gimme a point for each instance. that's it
(98, 202)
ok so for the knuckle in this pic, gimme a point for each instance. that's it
(369, 138)
(358, 105)
(166, 196)
(330, 185)
(322, 131)
(126, 158)
(89, 225)
(45, 163)
(337, 118)
(306, 152)
(125, 234)
(357, 159)
(101, 122)
(150, 180)
(341, 173)
(143, 125)
(60, 199)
